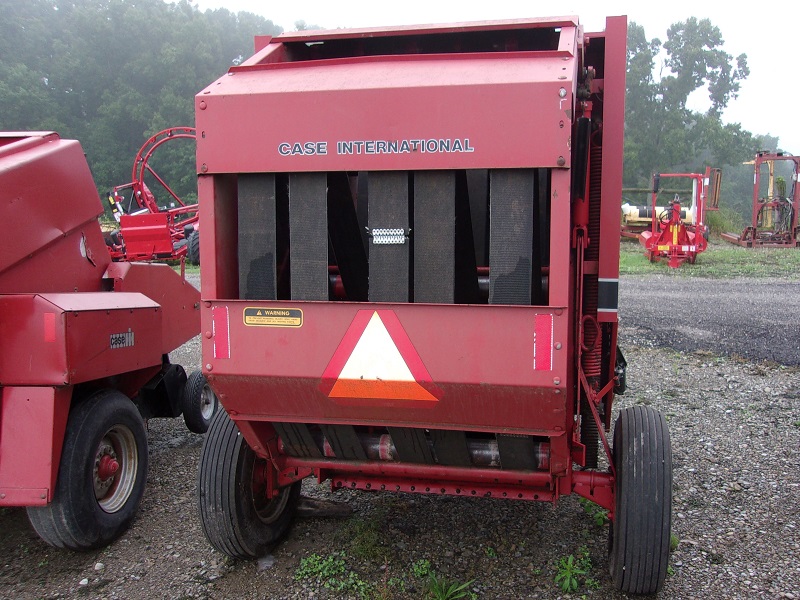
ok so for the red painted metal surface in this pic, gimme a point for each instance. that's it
(149, 231)
(32, 423)
(679, 233)
(372, 100)
(68, 315)
(774, 217)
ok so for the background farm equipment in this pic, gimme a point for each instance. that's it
(678, 231)
(774, 218)
(148, 231)
(84, 356)
(410, 278)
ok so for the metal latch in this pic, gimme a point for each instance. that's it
(389, 236)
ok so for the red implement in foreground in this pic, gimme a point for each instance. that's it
(410, 272)
(774, 221)
(678, 233)
(84, 350)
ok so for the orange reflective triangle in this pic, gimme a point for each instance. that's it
(376, 360)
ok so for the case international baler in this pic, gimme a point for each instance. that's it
(410, 275)
(84, 346)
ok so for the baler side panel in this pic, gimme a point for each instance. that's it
(49, 184)
(32, 424)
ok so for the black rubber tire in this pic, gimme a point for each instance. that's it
(199, 403)
(640, 533)
(193, 248)
(233, 519)
(85, 515)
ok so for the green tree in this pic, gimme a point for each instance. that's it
(111, 73)
(662, 133)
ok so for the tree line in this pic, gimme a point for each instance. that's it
(111, 73)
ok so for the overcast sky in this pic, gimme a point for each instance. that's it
(766, 33)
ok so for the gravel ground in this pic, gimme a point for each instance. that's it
(726, 379)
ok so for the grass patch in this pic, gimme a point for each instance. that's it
(721, 260)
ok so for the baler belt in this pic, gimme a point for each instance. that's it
(511, 194)
(411, 445)
(257, 237)
(308, 235)
(388, 264)
(451, 448)
(344, 442)
(434, 236)
(297, 440)
(517, 452)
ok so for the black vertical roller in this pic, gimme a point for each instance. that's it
(257, 237)
(434, 236)
(308, 219)
(388, 262)
(511, 193)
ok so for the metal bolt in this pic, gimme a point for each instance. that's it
(204, 106)
(560, 162)
(204, 168)
(556, 380)
(558, 345)
(562, 93)
(209, 367)
(208, 334)
(208, 304)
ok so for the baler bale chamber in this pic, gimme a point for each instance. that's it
(410, 273)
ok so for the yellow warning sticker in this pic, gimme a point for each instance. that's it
(273, 317)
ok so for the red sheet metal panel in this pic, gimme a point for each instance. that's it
(46, 181)
(32, 424)
(61, 339)
(430, 111)
(467, 358)
(179, 300)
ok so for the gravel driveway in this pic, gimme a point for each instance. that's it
(718, 358)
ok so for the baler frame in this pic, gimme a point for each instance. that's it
(460, 335)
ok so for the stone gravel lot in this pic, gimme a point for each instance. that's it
(733, 410)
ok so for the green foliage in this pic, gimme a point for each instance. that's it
(442, 588)
(421, 568)
(674, 541)
(332, 573)
(598, 514)
(111, 73)
(490, 552)
(661, 133)
(571, 570)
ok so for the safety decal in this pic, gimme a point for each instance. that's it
(273, 317)
(122, 340)
(377, 360)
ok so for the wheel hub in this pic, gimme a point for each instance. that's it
(106, 466)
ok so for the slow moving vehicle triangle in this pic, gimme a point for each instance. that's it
(376, 360)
